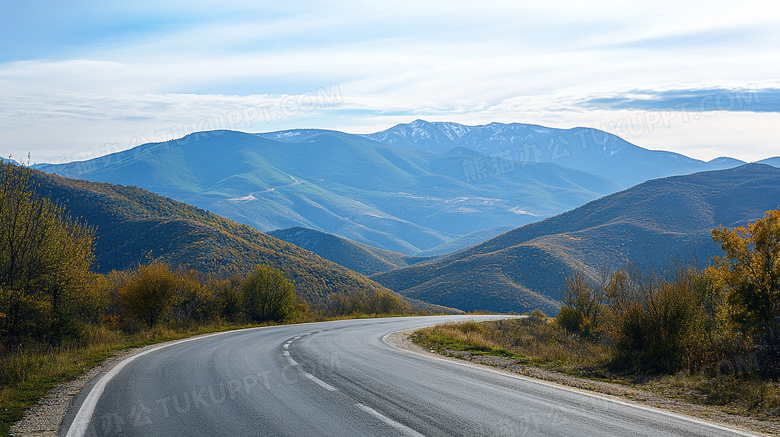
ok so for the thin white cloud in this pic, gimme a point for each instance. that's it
(501, 61)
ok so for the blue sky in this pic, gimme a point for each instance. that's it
(84, 78)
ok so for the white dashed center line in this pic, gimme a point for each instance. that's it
(399, 426)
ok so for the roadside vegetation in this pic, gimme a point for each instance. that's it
(709, 336)
(58, 318)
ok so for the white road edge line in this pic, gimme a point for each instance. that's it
(80, 423)
(582, 392)
(399, 426)
(320, 382)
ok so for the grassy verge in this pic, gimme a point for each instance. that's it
(541, 343)
(531, 341)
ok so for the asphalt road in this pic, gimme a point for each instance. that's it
(341, 379)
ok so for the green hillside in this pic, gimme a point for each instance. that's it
(652, 225)
(135, 226)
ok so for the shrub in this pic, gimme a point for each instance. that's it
(268, 295)
(656, 325)
(384, 303)
(582, 306)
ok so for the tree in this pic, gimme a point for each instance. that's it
(148, 294)
(228, 295)
(750, 269)
(385, 303)
(45, 259)
(194, 301)
(268, 295)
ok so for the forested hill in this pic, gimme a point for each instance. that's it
(135, 226)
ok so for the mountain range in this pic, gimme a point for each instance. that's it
(418, 189)
(589, 150)
(652, 224)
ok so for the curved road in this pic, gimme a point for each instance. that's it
(342, 379)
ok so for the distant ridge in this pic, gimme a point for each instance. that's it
(414, 188)
(579, 148)
(651, 224)
(726, 162)
(774, 162)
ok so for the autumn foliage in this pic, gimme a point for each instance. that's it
(45, 260)
(148, 294)
(749, 273)
(694, 319)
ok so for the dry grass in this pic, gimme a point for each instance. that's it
(28, 372)
(744, 396)
(531, 340)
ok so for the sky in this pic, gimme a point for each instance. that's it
(81, 79)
